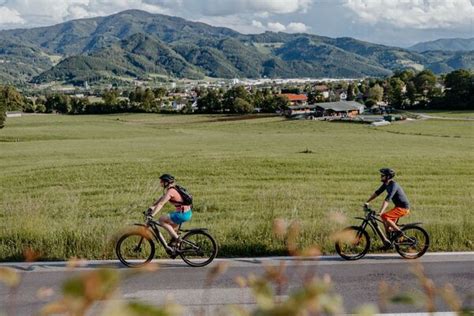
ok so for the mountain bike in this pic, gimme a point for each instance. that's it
(353, 242)
(136, 247)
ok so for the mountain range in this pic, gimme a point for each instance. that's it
(445, 44)
(135, 43)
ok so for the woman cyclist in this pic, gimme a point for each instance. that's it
(183, 212)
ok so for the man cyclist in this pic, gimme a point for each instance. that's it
(395, 194)
(182, 214)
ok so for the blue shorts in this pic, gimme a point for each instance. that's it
(180, 217)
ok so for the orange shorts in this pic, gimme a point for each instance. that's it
(395, 213)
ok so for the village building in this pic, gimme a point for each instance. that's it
(296, 99)
(323, 90)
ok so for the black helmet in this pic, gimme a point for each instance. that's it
(390, 173)
(167, 177)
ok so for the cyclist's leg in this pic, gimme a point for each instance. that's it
(386, 227)
(169, 225)
(390, 218)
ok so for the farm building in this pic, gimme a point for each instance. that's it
(338, 109)
(341, 108)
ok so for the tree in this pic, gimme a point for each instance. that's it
(274, 103)
(79, 105)
(459, 90)
(147, 100)
(350, 92)
(58, 102)
(3, 110)
(14, 101)
(405, 75)
(411, 93)
(110, 97)
(137, 95)
(258, 98)
(160, 92)
(424, 82)
(313, 95)
(395, 94)
(232, 94)
(210, 102)
(40, 104)
(241, 106)
(29, 107)
(376, 93)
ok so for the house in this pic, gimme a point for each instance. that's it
(296, 99)
(323, 90)
(178, 105)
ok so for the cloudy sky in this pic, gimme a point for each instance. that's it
(392, 22)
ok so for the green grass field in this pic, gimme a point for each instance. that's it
(69, 184)
(449, 114)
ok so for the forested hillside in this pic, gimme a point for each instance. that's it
(139, 44)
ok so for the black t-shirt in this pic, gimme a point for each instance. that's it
(395, 194)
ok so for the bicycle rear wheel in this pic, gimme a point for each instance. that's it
(135, 249)
(198, 248)
(352, 243)
(414, 242)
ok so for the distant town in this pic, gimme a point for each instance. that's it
(295, 98)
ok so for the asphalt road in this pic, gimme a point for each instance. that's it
(356, 282)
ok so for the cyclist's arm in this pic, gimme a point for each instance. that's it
(391, 190)
(376, 193)
(384, 207)
(158, 205)
(373, 196)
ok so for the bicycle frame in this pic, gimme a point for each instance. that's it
(153, 226)
(372, 221)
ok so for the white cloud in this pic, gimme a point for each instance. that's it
(419, 14)
(257, 24)
(293, 27)
(9, 16)
(47, 12)
(276, 27)
(237, 14)
(296, 27)
(235, 7)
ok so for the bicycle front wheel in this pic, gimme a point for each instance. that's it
(414, 242)
(135, 249)
(198, 248)
(352, 243)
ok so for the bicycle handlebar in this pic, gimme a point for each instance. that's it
(147, 216)
(367, 209)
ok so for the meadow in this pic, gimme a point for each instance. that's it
(69, 184)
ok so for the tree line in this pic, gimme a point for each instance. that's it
(404, 90)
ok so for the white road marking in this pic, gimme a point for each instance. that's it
(243, 262)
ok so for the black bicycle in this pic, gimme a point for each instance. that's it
(354, 242)
(136, 247)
